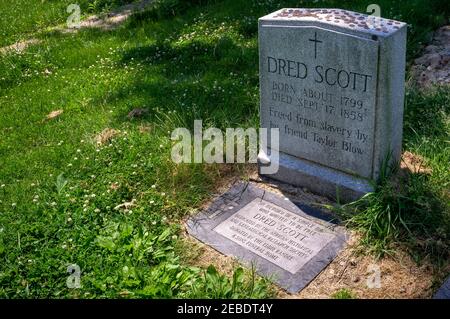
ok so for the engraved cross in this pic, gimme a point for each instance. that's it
(315, 44)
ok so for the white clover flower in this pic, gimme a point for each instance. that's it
(3, 185)
(153, 186)
(53, 203)
(153, 223)
(152, 202)
(97, 210)
(69, 220)
(163, 194)
(14, 204)
(78, 150)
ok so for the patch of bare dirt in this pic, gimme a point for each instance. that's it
(410, 163)
(399, 277)
(18, 47)
(106, 136)
(433, 67)
(54, 114)
(414, 163)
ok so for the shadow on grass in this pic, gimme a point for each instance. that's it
(426, 113)
(216, 82)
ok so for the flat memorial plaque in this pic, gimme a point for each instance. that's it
(288, 242)
(272, 232)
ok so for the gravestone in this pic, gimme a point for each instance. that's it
(332, 81)
(286, 241)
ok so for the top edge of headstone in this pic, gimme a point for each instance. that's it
(338, 17)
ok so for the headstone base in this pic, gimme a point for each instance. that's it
(320, 179)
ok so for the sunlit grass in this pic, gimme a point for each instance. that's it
(198, 60)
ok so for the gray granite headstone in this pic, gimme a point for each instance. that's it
(286, 241)
(332, 81)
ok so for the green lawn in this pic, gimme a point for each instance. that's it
(21, 19)
(184, 60)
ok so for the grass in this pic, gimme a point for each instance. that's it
(343, 294)
(413, 208)
(20, 19)
(184, 60)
